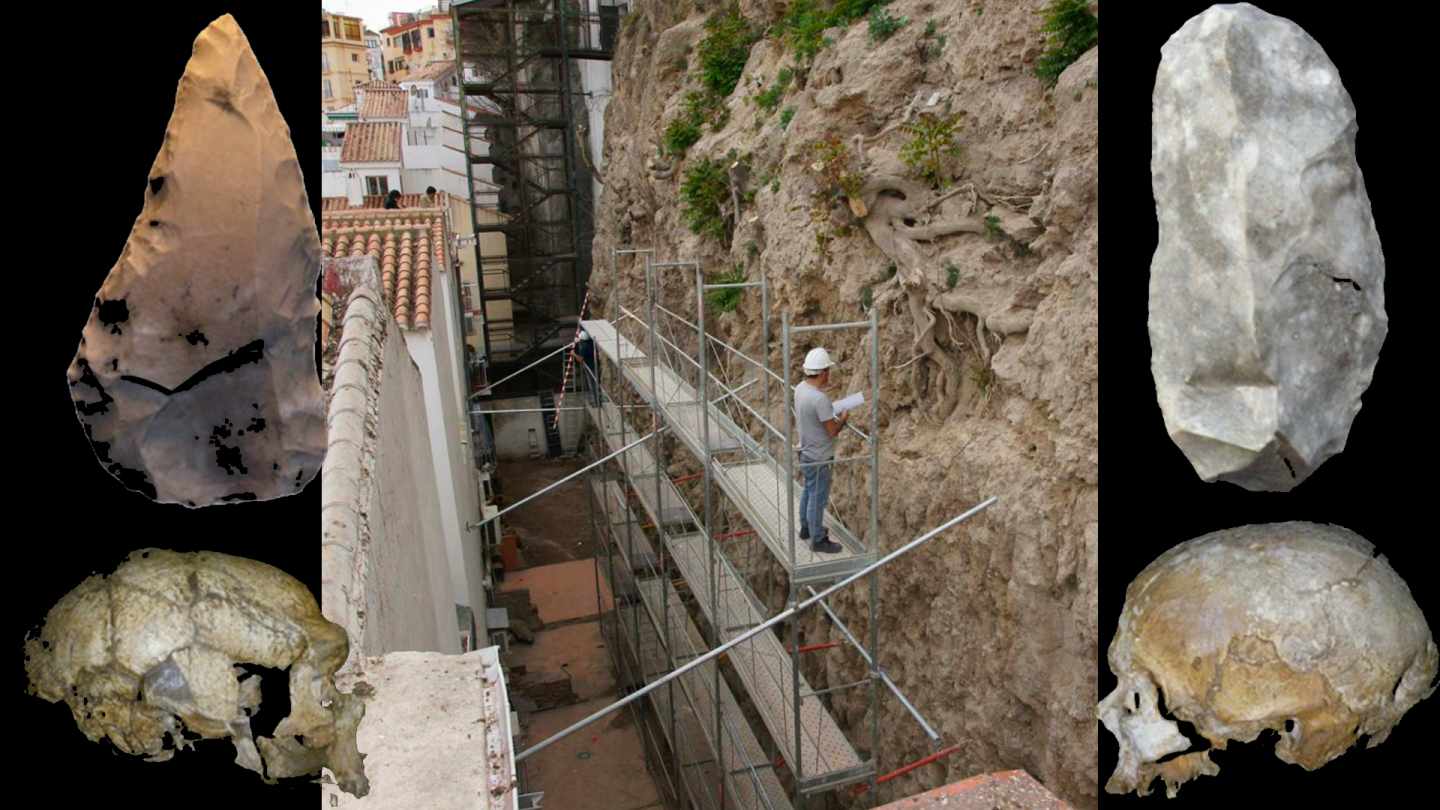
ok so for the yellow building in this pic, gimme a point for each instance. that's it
(412, 45)
(343, 59)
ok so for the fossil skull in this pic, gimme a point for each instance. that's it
(154, 651)
(1297, 627)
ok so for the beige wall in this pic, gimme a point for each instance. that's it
(384, 569)
(343, 59)
(492, 244)
(440, 48)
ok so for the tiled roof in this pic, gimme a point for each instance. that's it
(383, 100)
(371, 142)
(407, 244)
(334, 203)
(430, 72)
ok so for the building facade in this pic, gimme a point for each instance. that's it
(416, 40)
(376, 55)
(344, 62)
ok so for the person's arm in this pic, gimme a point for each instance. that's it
(833, 424)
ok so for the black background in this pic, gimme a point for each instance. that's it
(100, 107)
(1150, 499)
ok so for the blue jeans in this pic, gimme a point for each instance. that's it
(813, 499)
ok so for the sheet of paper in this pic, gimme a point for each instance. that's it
(849, 403)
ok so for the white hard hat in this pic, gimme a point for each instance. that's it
(817, 361)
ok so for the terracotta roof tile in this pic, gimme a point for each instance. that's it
(430, 72)
(383, 100)
(407, 245)
(371, 142)
(334, 203)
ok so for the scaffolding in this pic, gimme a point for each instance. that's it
(680, 577)
(518, 62)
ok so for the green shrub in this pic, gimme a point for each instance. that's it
(724, 51)
(803, 27)
(727, 300)
(992, 227)
(699, 107)
(681, 135)
(769, 99)
(932, 147)
(867, 298)
(952, 275)
(891, 270)
(775, 186)
(883, 24)
(786, 115)
(704, 190)
(1073, 30)
(930, 46)
(835, 169)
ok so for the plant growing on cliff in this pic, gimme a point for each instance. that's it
(702, 193)
(992, 228)
(833, 164)
(724, 50)
(1072, 30)
(769, 99)
(727, 300)
(786, 115)
(932, 147)
(883, 24)
(700, 107)
(802, 29)
(930, 45)
(952, 275)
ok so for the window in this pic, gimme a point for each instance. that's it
(354, 58)
(325, 85)
(324, 28)
(377, 186)
(352, 30)
(432, 32)
(324, 62)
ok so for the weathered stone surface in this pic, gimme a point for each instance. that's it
(195, 379)
(1267, 304)
(1299, 628)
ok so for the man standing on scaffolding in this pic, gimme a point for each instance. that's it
(818, 428)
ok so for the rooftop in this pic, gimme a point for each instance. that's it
(430, 72)
(372, 142)
(383, 100)
(406, 243)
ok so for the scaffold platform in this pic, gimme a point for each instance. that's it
(763, 664)
(753, 480)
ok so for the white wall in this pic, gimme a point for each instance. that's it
(435, 351)
(512, 430)
(383, 560)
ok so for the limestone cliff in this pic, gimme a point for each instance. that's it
(985, 278)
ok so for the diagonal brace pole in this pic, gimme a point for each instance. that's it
(532, 496)
(757, 629)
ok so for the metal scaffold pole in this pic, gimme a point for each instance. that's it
(874, 545)
(764, 626)
(717, 626)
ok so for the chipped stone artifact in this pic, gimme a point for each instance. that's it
(1267, 301)
(161, 649)
(195, 380)
(1301, 628)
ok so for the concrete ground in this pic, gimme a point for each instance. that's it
(556, 526)
(561, 592)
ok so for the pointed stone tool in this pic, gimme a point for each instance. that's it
(195, 380)
(1267, 289)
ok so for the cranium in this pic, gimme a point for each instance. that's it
(1297, 627)
(154, 651)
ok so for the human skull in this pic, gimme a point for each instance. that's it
(1297, 627)
(153, 651)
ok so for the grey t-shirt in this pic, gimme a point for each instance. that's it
(812, 410)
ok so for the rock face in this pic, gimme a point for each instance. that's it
(1267, 301)
(195, 379)
(1299, 628)
(992, 629)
